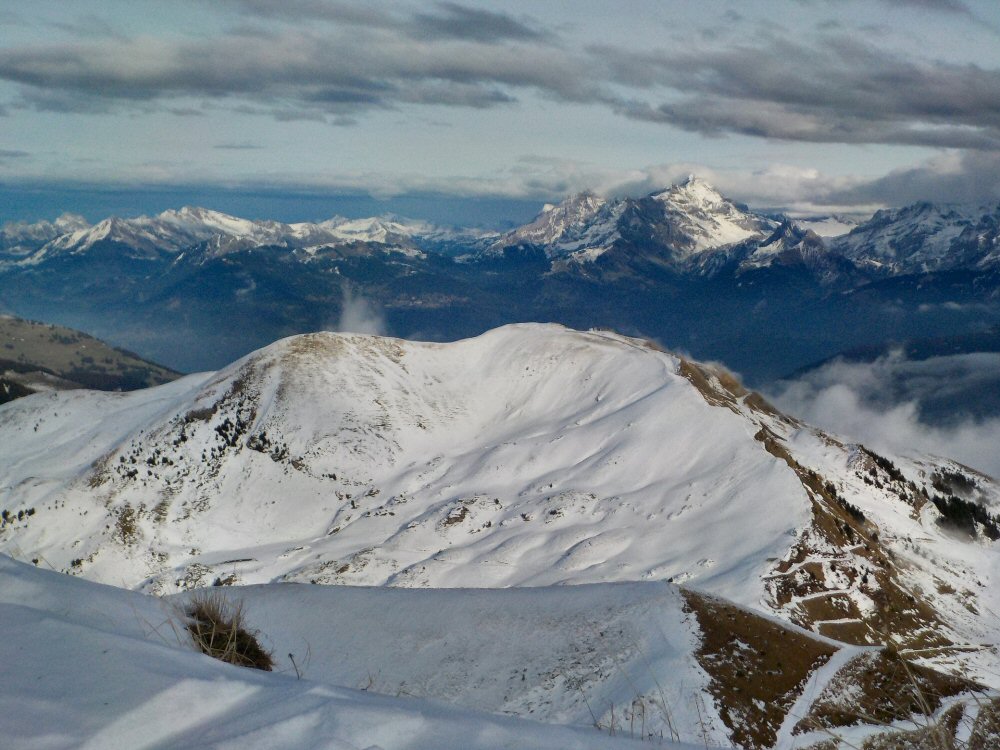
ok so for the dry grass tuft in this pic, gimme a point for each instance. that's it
(218, 629)
(936, 735)
(880, 688)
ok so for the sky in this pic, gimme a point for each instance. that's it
(476, 112)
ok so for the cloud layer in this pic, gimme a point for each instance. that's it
(336, 61)
(835, 89)
(940, 405)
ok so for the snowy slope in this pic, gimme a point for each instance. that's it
(88, 666)
(531, 455)
(565, 655)
(92, 666)
(790, 245)
(18, 238)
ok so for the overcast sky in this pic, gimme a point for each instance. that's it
(808, 104)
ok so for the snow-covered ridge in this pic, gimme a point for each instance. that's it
(424, 447)
(531, 455)
(561, 224)
(173, 231)
(925, 237)
(18, 238)
(687, 227)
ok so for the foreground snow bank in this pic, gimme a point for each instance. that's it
(605, 653)
(90, 666)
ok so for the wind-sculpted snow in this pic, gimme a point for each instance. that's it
(89, 666)
(531, 455)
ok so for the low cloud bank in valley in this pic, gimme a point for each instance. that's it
(947, 406)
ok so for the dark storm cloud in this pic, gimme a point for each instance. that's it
(948, 6)
(344, 74)
(945, 6)
(448, 20)
(185, 112)
(7, 155)
(314, 10)
(46, 100)
(88, 25)
(237, 146)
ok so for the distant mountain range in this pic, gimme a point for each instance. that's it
(171, 232)
(195, 288)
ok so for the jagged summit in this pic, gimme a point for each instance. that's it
(667, 226)
(580, 220)
(674, 228)
(705, 220)
(694, 191)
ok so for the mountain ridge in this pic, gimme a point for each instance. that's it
(432, 465)
(681, 222)
(40, 357)
(172, 231)
(651, 266)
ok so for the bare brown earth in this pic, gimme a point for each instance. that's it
(878, 688)
(757, 667)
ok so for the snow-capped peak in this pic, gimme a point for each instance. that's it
(683, 220)
(581, 221)
(555, 221)
(172, 231)
(199, 221)
(694, 191)
(705, 219)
